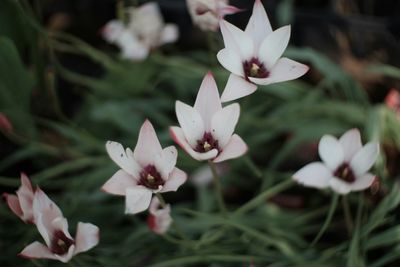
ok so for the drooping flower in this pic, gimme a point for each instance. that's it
(5, 124)
(148, 169)
(345, 164)
(253, 56)
(145, 30)
(53, 227)
(207, 128)
(207, 13)
(159, 219)
(392, 100)
(21, 203)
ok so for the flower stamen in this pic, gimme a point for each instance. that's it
(207, 143)
(345, 173)
(254, 68)
(151, 178)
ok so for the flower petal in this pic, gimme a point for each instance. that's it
(237, 40)
(351, 143)
(237, 87)
(137, 199)
(234, 149)
(159, 219)
(123, 159)
(147, 146)
(87, 236)
(191, 122)
(118, 183)
(315, 174)
(179, 137)
(25, 196)
(13, 204)
(112, 31)
(166, 161)
(169, 34)
(258, 26)
(273, 46)
(231, 61)
(37, 250)
(331, 152)
(339, 186)
(207, 100)
(363, 182)
(175, 180)
(284, 70)
(131, 48)
(364, 158)
(224, 122)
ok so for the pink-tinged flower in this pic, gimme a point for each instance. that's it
(53, 227)
(207, 128)
(5, 123)
(345, 164)
(392, 100)
(145, 30)
(254, 57)
(159, 219)
(148, 169)
(207, 13)
(21, 203)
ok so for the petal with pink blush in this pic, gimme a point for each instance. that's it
(237, 87)
(258, 26)
(339, 186)
(224, 122)
(331, 152)
(44, 227)
(37, 250)
(351, 143)
(118, 183)
(13, 204)
(365, 158)
(179, 137)
(147, 146)
(175, 180)
(235, 148)
(123, 159)
(137, 199)
(87, 236)
(231, 61)
(237, 40)
(190, 121)
(207, 100)
(315, 174)
(169, 34)
(273, 46)
(26, 183)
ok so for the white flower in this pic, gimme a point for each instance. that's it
(148, 169)
(253, 56)
(345, 164)
(159, 219)
(207, 13)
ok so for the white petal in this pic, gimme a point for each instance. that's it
(237, 87)
(118, 183)
(351, 143)
(258, 26)
(179, 137)
(112, 31)
(339, 186)
(147, 147)
(123, 159)
(364, 158)
(231, 61)
(235, 148)
(237, 40)
(331, 152)
(61, 224)
(131, 47)
(315, 174)
(363, 182)
(284, 70)
(175, 180)
(87, 236)
(273, 46)
(207, 100)
(224, 122)
(191, 122)
(37, 250)
(166, 161)
(169, 34)
(137, 199)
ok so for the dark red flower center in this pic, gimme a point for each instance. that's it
(151, 178)
(207, 143)
(345, 173)
(60, 243)
(254, 68)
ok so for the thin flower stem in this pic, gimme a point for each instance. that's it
(347, 215)
(218, 189)
(37, 263)
(328, 219)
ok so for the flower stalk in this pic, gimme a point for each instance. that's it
(218, 189)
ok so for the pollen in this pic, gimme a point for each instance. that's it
(207, 146)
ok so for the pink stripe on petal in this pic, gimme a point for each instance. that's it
(13, 204)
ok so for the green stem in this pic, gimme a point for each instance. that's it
(261, 198)
(37, 263)
(347, 215)
(218, 189)
(328, 219)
